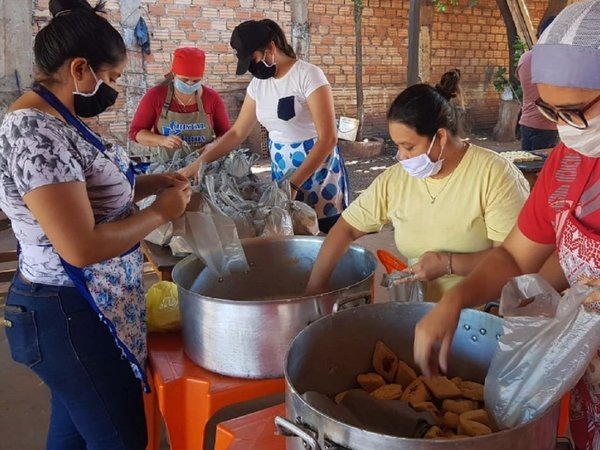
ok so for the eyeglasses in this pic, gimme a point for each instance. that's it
(571, 116)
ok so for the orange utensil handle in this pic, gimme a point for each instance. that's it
(390, 262)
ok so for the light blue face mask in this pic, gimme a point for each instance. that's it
(185, 88)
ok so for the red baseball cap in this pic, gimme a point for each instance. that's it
(189, 62)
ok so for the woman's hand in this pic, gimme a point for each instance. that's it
(191, 170)
(171, 142)
(155, 184)
(594, 297)
(164, 181)
(172, 201)
(433, 336)
(430, 266)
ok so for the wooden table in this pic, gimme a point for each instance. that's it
(161, 259)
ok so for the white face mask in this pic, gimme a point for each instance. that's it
(586, 142)
(422, 166)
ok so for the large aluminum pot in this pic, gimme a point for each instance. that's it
(242, 325)
(328, 354)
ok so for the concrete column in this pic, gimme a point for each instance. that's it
(300, 28)
(16, 47)
(135, 77)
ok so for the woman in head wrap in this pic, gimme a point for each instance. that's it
(180, 109)
(562, 213)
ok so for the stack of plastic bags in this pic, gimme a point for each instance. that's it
(230, 203)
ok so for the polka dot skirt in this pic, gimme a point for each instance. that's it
(327, 189)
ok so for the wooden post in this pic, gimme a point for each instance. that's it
(414, 27)
(426, 20)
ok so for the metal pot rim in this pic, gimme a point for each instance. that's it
(296, 299)
(324, 418)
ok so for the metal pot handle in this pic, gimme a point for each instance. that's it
(287, 428)
(340, 303)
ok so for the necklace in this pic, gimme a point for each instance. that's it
(434, 197)
(181, 105)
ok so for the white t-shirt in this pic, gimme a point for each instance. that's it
(281, 104)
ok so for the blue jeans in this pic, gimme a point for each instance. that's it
(535, 138)
(97, 402)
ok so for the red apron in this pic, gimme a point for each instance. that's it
(579, 254)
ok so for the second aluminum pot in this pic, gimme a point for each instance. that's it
(327, 356)
(242, 325)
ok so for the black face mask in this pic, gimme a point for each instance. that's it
(90, 105)
(261, 71)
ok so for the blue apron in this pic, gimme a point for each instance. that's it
(113, 288)
(326, 191)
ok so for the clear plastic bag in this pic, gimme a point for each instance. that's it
(278, 223)
(179, 246)
(213, 238)
(547, 343)
(162, 307)
(412, 291)
(304, 219)
(161, 235)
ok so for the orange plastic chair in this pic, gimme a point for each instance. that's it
(152, 416)
(254, 431)
(188, 395)
(390, 262)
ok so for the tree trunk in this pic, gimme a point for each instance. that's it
(508, 116)
(360, 103)
(511, 34)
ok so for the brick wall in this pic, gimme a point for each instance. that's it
(472, 40)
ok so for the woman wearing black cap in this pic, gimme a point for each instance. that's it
(292, 100)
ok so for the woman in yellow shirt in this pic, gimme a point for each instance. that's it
(449, 202)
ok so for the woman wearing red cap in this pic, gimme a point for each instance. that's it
(292, 99)
(180, 108)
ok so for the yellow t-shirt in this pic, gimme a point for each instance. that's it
(477, 204)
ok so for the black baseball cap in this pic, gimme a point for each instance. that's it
(246, 38)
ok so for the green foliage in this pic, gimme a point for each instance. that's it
(518, 49)
(440, 5)
(499, 79)
(358, 5)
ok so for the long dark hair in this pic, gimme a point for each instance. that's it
(426, 109)
(76, 30)
(278, 36)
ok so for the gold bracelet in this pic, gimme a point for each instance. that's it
(449, 269)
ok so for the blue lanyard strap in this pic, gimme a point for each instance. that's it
(68, 116)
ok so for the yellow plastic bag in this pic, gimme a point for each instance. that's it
(162, 307)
